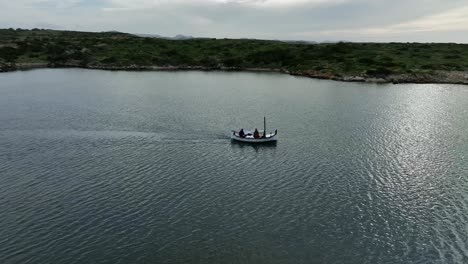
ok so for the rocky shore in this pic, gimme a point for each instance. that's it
(447, 77)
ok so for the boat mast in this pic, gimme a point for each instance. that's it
(264, 127)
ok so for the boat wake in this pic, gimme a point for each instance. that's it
(193, 137)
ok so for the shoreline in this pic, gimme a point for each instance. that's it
(437, 77)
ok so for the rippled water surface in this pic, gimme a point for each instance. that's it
(138, 167)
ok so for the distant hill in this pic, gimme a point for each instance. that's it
(299, 42)
(177, 37)
(182, 37)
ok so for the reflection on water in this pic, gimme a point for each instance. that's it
(138, 167)
(256, 146)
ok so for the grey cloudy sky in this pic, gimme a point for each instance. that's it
(319, 20)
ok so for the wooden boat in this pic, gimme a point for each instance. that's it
(263, 137)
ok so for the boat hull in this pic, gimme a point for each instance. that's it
(254, 140)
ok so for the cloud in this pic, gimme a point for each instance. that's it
(357, 20)
(118, 5)
(452, 20)
(28, 4)
(281, 3)
(456, 19)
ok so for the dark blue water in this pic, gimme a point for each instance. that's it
(132, 167)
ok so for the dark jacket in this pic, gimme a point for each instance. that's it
(256, 134)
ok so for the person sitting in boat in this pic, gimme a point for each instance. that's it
(241, 133)
(256, 134)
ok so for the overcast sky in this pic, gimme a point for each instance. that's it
(315, 20)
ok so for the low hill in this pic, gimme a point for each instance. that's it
(386, 62)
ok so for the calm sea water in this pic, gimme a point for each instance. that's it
(138, 167)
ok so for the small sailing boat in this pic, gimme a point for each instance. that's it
(260, 136)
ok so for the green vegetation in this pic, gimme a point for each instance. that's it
(113, 49)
